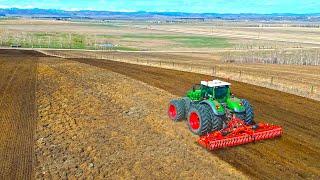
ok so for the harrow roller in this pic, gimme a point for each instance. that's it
(238, 133)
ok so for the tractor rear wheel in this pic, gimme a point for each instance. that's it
(249, 114)
(199, 119)
(241, 115)
(216, 122)
(176, 111)
(187, 104)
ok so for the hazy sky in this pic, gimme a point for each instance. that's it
(197, 6)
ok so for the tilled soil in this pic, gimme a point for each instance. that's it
(94, 123)
(20, 53)
(18, 112)
(294, 156)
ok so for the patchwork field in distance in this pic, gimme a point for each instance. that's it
(149, 35)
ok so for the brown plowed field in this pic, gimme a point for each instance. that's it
(294, 156)
(87, 126)
(104, 119)
(18, 74)
(97, 124)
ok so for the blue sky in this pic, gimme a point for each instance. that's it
(196, 6)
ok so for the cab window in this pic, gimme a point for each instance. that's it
(207, 90)
(221, 92)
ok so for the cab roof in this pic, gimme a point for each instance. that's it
(215, 83)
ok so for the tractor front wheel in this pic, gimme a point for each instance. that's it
(176, 110)
(249, 114)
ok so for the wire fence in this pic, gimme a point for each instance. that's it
(299, 56)
(285, 84)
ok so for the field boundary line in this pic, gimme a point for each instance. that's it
(216, 50)
(310, 91)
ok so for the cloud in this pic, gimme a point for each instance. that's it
(4, 6)
(18, 6)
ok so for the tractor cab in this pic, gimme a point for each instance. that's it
(216, 89)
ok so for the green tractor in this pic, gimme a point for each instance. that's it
(209, 106)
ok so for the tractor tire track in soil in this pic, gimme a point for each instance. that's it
(295, 155)
(18, 75)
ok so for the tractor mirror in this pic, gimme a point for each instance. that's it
(195, 87)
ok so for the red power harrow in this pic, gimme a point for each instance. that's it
(237, 133)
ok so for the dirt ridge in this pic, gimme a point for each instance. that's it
(17, 116)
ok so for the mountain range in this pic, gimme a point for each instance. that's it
(54, 13)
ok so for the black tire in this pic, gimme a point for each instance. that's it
(203, 115)
(176, 110)
(216, 122)
(187, 105)
(241, 115)
(249, 113)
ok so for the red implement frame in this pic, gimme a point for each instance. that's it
(237, 133)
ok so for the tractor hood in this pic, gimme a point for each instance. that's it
(235, 104)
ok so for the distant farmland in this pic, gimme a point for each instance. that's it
(104, 37)
(143, 35)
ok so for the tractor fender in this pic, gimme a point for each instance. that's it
(234, 104)
(213, 107)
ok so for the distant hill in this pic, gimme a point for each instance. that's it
(54, 13)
